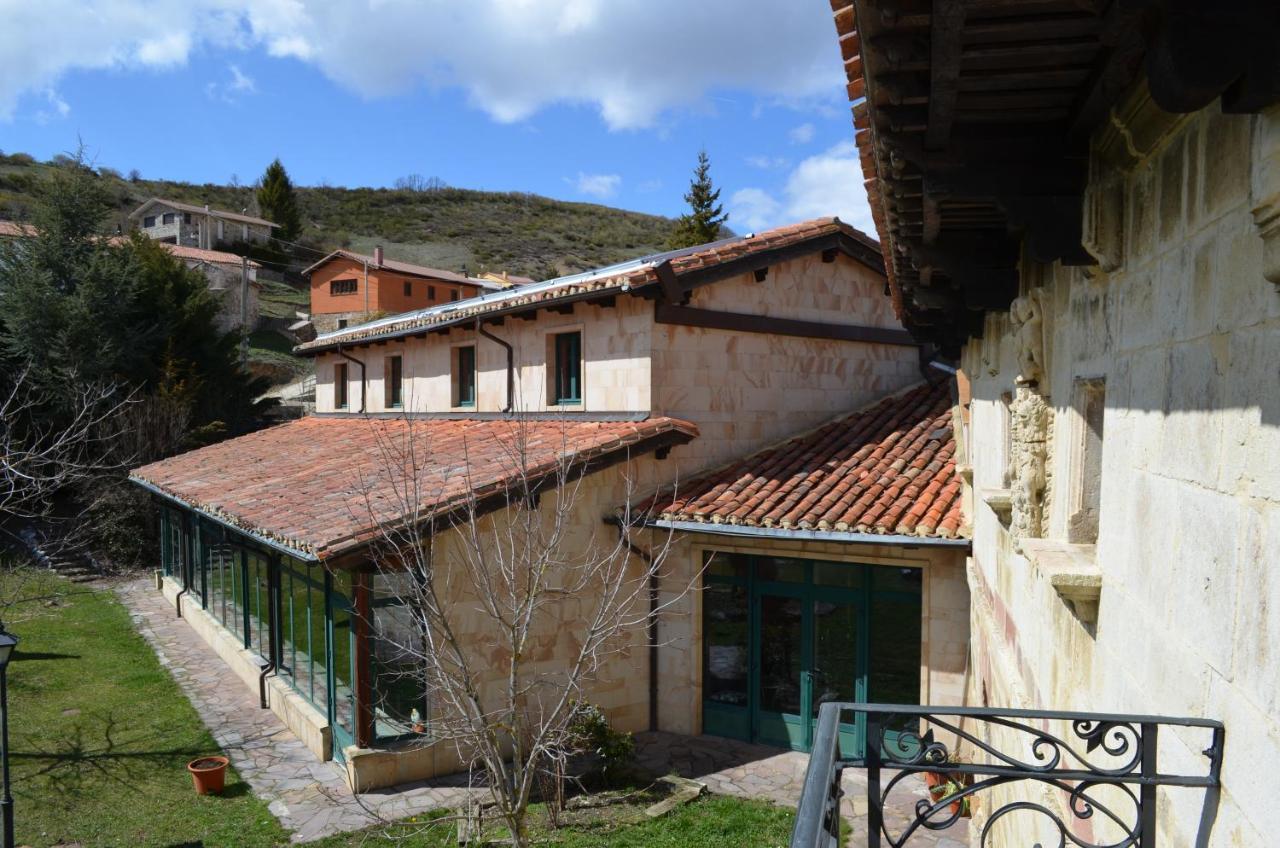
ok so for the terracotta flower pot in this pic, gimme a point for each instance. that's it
(941, 785)
(209, 774)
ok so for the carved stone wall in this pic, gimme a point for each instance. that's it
(1028, 462)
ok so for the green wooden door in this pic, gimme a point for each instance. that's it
(783, 636)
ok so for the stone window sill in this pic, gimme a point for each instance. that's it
(1073, 572)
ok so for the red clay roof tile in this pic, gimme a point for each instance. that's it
(319, 485)
(886, 469)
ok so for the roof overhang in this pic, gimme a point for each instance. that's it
(779, 534)
(973, 121)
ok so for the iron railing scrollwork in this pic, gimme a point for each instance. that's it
(1106, 767)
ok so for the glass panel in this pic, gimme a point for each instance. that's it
(781, 569)
(722, 564)
(835, 653)
(302, 630)
(399, 702)
(848, 575)
(894, 673)
(344, 705)
(780, 658)
(887, 579)
(257, 597)
(725, 625)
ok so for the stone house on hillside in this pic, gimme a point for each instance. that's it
(805, 466)
(188, 225)
(349, 288)
(1094, 243)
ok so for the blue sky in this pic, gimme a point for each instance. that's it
(597, 100)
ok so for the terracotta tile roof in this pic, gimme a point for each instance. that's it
(308, 484)
(887, 469)
(627, 276)
(199, 254)
(403, 268)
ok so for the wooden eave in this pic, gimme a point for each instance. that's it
(973, 118)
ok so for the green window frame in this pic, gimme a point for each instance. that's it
(568, 365)
(464, 377)
(393, 379)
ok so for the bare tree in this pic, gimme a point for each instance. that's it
(417, 182)
(511, 604)
(38, 460)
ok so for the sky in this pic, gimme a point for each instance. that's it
(595, 100)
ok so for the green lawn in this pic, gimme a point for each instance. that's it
(713, 821)
(101, 736)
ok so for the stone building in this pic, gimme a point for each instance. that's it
(1079, 208)
(806, 467)
(232, 279)
(188, 225)
(350, 288)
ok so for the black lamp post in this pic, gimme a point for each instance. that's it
(7, 643)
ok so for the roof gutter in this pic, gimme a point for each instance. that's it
(257, 537)
(807, 535)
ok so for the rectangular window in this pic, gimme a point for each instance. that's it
(340, 385)
(169, 217)
(342, 323)
(343, 286)
(453, 294)
(431, 292)
(408, 288)
(220, 229)
(149, 221)
(244, 231)
(1085, 492)
(393, 380)
(568, 368)
(464, 376)
(186, 217)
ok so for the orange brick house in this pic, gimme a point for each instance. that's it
(348, 287)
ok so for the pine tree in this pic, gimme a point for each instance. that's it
(278, 202)
(705, 220)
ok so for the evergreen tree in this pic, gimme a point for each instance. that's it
(278, 202)
(706, 217)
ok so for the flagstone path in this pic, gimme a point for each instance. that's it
(311, 798)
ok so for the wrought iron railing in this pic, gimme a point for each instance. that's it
(1005, 747)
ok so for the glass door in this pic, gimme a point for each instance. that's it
(784, 656)
(341, 652)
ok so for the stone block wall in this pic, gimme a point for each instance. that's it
(1183, 325)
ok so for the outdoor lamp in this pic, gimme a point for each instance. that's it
(7, 643)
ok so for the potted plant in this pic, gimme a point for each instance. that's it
(943, 785)
(209, 774)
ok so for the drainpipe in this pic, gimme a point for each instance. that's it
(511, 366)
(273, 599)
(652, 626)
(364, 384)
(186, 565)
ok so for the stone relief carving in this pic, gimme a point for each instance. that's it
(1028, 462)
(1027, 316)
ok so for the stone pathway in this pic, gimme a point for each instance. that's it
(312, 800)
(309, 797)
(736, 768)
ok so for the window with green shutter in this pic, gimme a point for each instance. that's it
(568, 364)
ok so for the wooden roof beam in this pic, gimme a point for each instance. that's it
(945, 44)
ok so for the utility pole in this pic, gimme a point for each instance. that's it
(244, 311)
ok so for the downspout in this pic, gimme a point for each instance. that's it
(511, 364)
(652, 626)
(186, 564)
(364, 384)
(273, 623)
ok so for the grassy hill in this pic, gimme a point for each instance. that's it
(448, 228)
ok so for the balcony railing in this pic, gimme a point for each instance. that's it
(1006, 747)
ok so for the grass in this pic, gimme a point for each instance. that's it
(101, 735)
(710, 822)
(281, 300)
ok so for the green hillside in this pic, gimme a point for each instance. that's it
(449, 228)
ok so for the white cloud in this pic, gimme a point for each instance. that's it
(597, 185)
(58, 108)
(229, 90)
(632, 60)
(766, 163)
(829, 183)
(802, 134)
